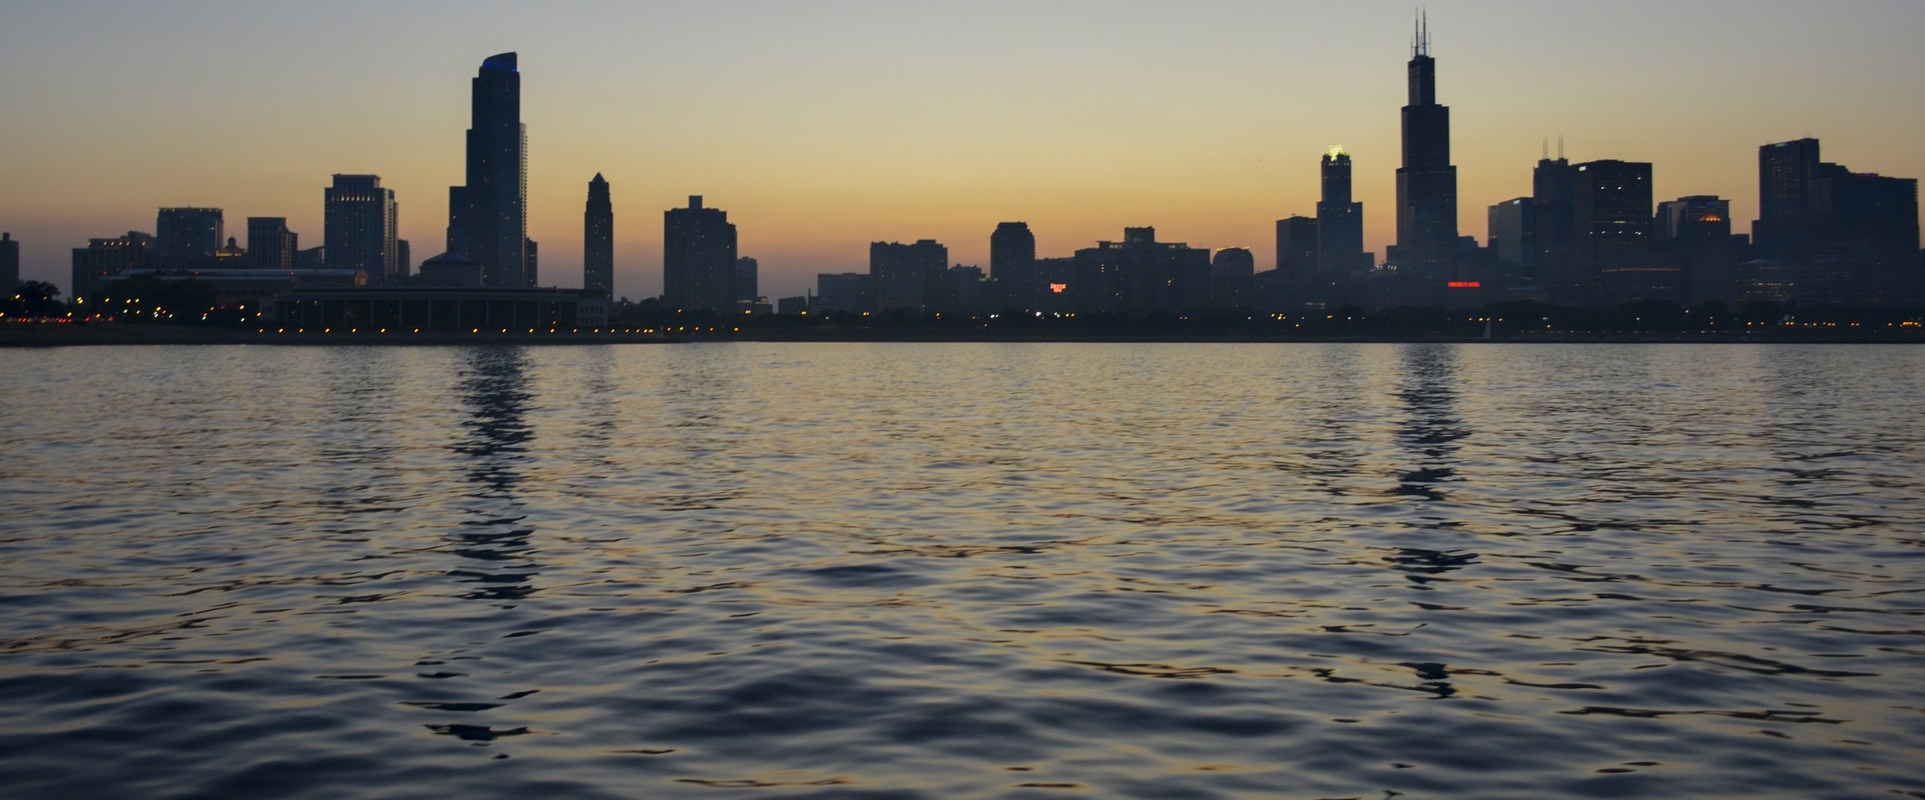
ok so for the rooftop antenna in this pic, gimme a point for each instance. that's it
(1547, 148)
(1424, 31)
(1560, 147)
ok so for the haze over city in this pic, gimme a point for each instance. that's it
(823, 127)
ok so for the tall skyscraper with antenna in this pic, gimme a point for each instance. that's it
(488, 217)
(598, 240)
(1427, 182)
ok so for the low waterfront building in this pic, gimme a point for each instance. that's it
(440, 308)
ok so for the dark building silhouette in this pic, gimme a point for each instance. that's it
(188, 237)
(1232, 279)
(9, 263)
(1297, 248)
(1614, 261)
(845, 292)
(1554, 215)
(487, 217)
(1852, 237)
(1140, 276)
(359, 226)
(231, 256)
(1340, 222)
(404, 257)
(907, 276)
(1012, 265)
(598, 241)
(1695, 232)
(698, 258)
(103, 259)
(270, 245)
(1427, 182)
(1513, 237)
(747, 283)
(1787, 177)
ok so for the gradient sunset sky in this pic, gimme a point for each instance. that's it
(823, 126)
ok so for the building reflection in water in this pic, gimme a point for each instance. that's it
(1431, 429)
(496, 545)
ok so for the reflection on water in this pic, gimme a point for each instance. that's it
(963, 571)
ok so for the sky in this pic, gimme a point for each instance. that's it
(823, 126)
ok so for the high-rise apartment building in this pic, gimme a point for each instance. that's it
(1427, 182)
(188, 237)
(698, 258)
(9, 264)
(1788, 174)
(1232, 274)
(487, 217)
(907, 276)
(598, 240)
(270, 245)
(358, 228)
(1012, 264)
(1340, 222)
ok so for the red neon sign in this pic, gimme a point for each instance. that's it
(1464, 285)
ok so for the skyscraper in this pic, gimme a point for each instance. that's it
(1340, 223)
(1853, 236)
(1554, 195)
(1012, 264)
(1513, 233)
(487, 217)
(1427, 182)
(270, 245)
(1297, 248)
(188, 237)
(598, 241)
(1787, 175)
(907, 276)
(9, 264)
(1613, 255)
(698, 258)
(358, 228)
(1696, 231)
(748, 283)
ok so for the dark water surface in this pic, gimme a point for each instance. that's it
(963, 571)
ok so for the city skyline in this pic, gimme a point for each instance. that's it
(917, 139)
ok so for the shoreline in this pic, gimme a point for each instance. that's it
(26, 335)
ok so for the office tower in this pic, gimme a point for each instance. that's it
(403, 257)
(270, 245)
(1554, 198)
(1513, 236)
(1613, 261)
(358, 228)
(1787, 176)
(105, 258)
(747, 282)
(1853, 237)
(1696, 232)
(907, 276)
(1297, 248)
(1340, 223)
(487, 217)
(188, 237)
(1012, 264)
(698, 258)
(1427, 182)
(1232, 273)
(598, 241)
(9, 264)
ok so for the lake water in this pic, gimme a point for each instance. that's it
(963, 571)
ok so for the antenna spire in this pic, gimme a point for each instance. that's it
(1560, 147)
(1547, 148)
